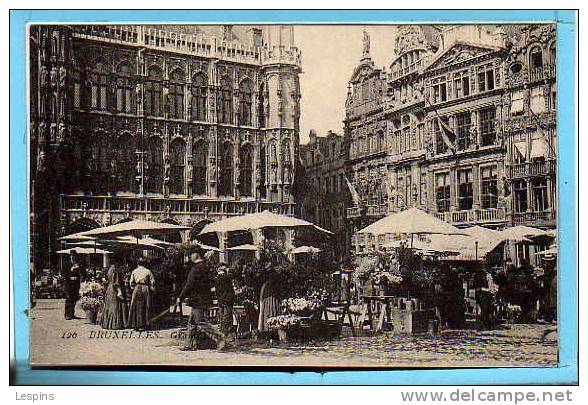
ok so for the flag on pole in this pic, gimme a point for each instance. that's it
(447, 134)
(354, 195)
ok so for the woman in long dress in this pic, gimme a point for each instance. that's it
(269, 302)
(142, 283)
(114, 314)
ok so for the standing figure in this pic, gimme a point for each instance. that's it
(269, 301)
(225, 294)
(142, 283)
(71, 286)
(114, 315)
(197, 291)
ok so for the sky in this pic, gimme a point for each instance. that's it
(329, 56)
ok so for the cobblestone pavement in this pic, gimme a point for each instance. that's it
(55, 341)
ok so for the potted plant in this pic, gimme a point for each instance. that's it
(282, 324)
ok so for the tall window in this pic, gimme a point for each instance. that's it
(486, 78)
(261, 107)
(262, 174)
(176, 94)
(199, 96)
(99, 83)
(463, 123)
(552, 55)
(77, 90)
(246, 170)
(371, 147)
(177, 166)
(153, 93)
(536, 58)
(489, 187)
(126, 163)
(520, 196)
(442, 192)
(439, 89)
(226, 176)
(124, 89)
(199, 165)
(540, 195)
(461, 84)
(225, 105)
(154, 165)
(465, 193)
(245, 102)
(100, 153)
(538, 102)
(487, 126)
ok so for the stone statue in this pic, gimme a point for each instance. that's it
(366, 44)
(62, 76)
(61, 135)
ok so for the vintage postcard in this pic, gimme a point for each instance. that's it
(326, 196)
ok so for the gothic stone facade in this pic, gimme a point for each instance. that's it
(325, 196)
(173, 123)
(494, 87)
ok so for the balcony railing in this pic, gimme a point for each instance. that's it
(154, 207)
(353, 212)
(523, 122)
(192, 44)
(529, 169)
(377, 210)
(473, 216)
(546, 218)
(533, 75)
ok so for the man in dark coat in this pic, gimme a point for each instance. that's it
(197, 291)
(71, 286)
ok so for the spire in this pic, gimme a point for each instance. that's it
(366, 45)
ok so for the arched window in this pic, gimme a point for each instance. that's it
(154, 165)
(126, 162)
(246, 170)
(261, 107)
(225, 104)
(200, 155)
(262, 174)
(536, 58)
(199, 96)
(99, 82)
(245, 101)
(552, 55)
(226, 176)
(124, 89)
(177, 166)
(153, 93)
(176, 94)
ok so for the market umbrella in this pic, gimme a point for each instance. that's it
(431, 246)
(522, 233)
(83, 251)
(258, 220)
(412, 221)
(135, 228)
(145, 241)
(77, 237)
(305, 249)
(245, 247)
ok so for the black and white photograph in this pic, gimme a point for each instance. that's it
(302, 196)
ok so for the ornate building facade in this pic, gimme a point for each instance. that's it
(450, 127)
(166, 123)
(325, 196)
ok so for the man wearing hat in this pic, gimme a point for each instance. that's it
(71, 285)
(197, 291)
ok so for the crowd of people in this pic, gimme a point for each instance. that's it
(130, 302)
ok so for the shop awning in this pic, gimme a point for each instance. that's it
(538, 148)
(521, 148)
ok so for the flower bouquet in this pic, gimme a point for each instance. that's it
(92, 300)
(301, 306)
(282, 324)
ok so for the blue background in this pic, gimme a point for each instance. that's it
(567, 372)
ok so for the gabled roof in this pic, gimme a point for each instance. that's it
(365, 69)
(458, 52)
